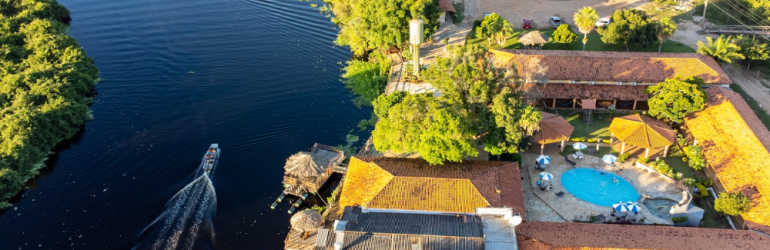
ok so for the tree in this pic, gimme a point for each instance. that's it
(752, 50)
(511, 121)
(366, 79)
(675, 98)
(45, 89)
(585, 19)
(474, 108)
(563, 35)
(370, 25)
(695, 157)
(665, 30)
(720, 49)
(629, 26)
(494, 27)
(732, 203)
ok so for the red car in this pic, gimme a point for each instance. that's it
(527, 24)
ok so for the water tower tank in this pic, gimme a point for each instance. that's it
(415, 31)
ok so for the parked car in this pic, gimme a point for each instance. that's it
(555, 21)
(527, 24)
(602, 22)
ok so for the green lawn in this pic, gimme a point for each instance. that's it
(711, 218)
(763, 116)
(679, 166)
(599, 129)
(594, 44)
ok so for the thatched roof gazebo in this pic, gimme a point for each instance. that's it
(533, 38)
(553, 128)
(303, 165)
(308, 171)
(642, 131)
(306, 221)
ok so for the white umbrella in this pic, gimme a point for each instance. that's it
(543, 159)
(620, 207)
(632, 206)
(546, 176)
(579, 146)
(609, 158)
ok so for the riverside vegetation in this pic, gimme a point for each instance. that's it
(47, 84)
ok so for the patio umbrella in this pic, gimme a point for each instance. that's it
(543, 159)
(579, 146)
(609, 158)
(620, 207)
(546, 176)
(632, 206)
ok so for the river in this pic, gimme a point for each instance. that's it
(261, 78)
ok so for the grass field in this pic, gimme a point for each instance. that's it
(594, 44)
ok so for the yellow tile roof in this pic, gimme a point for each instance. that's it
(413, 184)
(642, 131)
(735, 145)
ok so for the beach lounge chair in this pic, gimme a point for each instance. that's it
(566, 158)
(560, 193)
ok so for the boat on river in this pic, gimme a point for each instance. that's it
(211, 158)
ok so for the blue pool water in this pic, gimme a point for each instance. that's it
(592, 186)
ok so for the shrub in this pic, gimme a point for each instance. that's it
(592, 140)
(678, 176)
(318, 209)
(516, 158)
(732, 203)
(684, 159)
(577, 139)
(689, 182)
(607, 141)
(643, 160)
(623, 157)
(704, 181)
(702, 190)
(563, 35)
(679, 219)
(696, 159)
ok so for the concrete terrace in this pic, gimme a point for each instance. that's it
(570, 208)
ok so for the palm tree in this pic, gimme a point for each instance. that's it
(665, 30)
(585, 19)
(721, 49)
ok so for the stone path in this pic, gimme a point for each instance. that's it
(536, 208)
(456, 34)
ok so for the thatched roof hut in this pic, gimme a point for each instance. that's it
(306, 221)
(304, 165)
(533, 38)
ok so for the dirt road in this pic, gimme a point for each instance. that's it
(751, 85)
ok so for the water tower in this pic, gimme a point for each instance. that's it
(415, 39)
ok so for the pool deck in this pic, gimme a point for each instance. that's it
(571, 208)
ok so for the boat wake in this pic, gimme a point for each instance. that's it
(186, 220)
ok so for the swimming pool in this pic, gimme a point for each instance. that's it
(596, 186)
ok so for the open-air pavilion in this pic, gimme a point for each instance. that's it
(553, 128)
(642, 131)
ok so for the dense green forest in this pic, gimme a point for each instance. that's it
(47, 82)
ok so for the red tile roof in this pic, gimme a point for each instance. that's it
(553, 128)
(641, 67)
(735, 144)
(599, 91)
(561, 235)
(413, 184)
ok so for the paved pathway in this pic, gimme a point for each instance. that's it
(536, 208)
(456, 34)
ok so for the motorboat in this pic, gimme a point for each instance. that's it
(211, 158)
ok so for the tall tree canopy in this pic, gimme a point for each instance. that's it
(494, 27)
(720, 49)
(629, 26)
(366, 79)
(665, 30)
(586, 19)
(675, 98)
(474, 107)
(45, 88)
(564, 35)
(753, 49)
(366, 25)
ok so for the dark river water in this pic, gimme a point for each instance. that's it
(261, 78)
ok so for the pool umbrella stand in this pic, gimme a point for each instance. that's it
(609, 159)
(620, 207)
(579, 146)
(632, 206)
(543, 159)
(546, 176)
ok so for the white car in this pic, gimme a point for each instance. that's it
(602, 22)
(555, 21)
